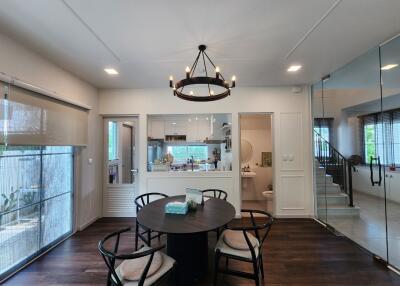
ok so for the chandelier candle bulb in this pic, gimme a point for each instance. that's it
(217, 71)
(233, 81)
(171, 79)
(187, 72)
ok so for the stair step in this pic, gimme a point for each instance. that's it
(333, 199)
(339, 211)
(322, 181)
(329, 188)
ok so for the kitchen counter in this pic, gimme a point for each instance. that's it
(198, 173)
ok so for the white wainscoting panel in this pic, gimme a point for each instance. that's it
(119, 201)
(293, 192)
(291, 141)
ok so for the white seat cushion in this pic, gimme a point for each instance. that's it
(225, 248)
(166, 265)
(132, 269)
(236, 239)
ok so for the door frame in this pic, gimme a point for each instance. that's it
(136, 162)
(274, 183)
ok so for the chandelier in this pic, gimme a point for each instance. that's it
(218, 82)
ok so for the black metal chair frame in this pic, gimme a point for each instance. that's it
(219, 194)
(145, 234)
(110, 257)
(256, 261)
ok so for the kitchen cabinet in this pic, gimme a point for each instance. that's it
(203, 130)
(175, 127)
(191, 134)
(156, 129)
(392, 186)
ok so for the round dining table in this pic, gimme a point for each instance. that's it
(187, 240)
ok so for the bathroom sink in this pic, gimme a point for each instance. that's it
(248, 174)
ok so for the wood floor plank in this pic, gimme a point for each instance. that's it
(298, 252)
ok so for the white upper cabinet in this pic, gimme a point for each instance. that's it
(203, 129)
(191, 135)
(175, 127)
(156, 129)
(197, 128)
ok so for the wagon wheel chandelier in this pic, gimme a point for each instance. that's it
(217, 81)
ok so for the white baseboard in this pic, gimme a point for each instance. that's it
(294, 216)
(86, 224)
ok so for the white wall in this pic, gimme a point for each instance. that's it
(291, 133)
(17, 61)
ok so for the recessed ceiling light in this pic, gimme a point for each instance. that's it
(111, 71)
(389, 67)
(294, 68)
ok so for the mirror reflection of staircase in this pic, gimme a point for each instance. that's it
(332, 201)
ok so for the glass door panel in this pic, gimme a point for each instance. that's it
(390, 68)
(354, 162)
(120, 173)
(320, 151)
(36, 190)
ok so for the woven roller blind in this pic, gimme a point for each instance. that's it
(30, 118)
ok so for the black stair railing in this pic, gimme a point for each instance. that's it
(335, 165)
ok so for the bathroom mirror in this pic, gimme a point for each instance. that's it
(246, 151)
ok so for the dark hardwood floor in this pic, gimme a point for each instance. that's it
(297, 252)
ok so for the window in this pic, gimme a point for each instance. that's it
(36, 201)
(381, 137)
(323, 129)
(182, 153)
(112, 141)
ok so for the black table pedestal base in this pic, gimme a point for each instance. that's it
(191, 254)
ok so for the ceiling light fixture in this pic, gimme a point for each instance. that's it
(294, 68)
(190, 79)
(389, 67)
(111, 71)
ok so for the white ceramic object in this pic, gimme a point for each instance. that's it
(248, 174)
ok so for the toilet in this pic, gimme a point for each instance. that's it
(269, 196)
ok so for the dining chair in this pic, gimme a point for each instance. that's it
(147, 266)
(219, 194)
(244, 243)
(147, 235)
(215, 193)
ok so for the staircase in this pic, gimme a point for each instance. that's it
(336, 202)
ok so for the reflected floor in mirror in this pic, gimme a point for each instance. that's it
(369, 230)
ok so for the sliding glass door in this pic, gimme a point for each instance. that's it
(36, 174)
(390, 69)
(357, 151)
(36, 189)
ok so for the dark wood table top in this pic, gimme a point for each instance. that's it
(213, 214)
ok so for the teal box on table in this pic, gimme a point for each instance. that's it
(176, 208)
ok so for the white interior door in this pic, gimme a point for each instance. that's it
(120, 167)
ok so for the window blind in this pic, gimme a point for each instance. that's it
(30, 118)
(381, 136)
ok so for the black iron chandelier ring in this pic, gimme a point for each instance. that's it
(218, 80)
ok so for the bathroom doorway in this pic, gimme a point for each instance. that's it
(256, 164)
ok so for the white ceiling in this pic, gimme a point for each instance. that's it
(146, 41)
